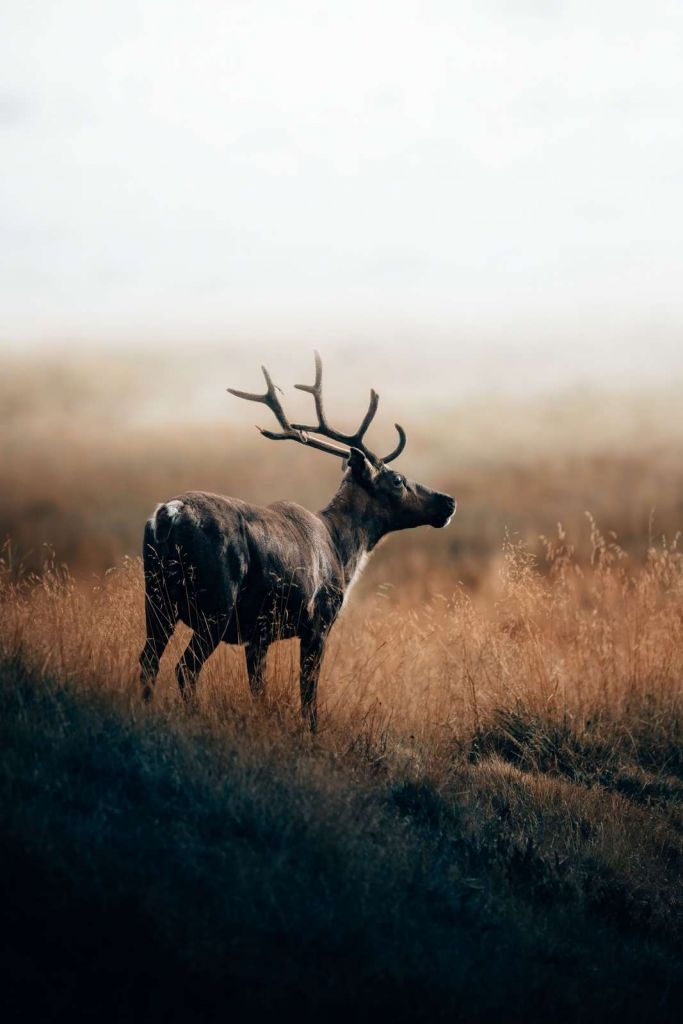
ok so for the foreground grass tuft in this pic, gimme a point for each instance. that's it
(488, 825)
(155, 867)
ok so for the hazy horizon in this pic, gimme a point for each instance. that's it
(442, 175)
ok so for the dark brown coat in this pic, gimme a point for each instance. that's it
(241, 574)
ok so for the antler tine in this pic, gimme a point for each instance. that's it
(323, 427)
(316, 389)
(370, 414)
(399, 447)
(289, 432)
(273, 402)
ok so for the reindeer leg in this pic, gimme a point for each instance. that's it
(256, 652)
(311, 656)
(200, 648)
(160, 623)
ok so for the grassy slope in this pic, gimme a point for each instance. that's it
(155, 867)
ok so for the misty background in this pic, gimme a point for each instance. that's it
(459, 197)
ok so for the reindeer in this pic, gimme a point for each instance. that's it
(242, 574)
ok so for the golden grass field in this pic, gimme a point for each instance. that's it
(488, 823)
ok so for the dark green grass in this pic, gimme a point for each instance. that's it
(156, 867)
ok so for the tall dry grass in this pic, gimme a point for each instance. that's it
(595, 647)
(501, 774)
(488, 824)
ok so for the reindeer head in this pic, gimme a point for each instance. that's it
(394, 501)
(391, 500)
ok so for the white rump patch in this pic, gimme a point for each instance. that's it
(172, 509)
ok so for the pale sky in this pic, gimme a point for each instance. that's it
(212, 167)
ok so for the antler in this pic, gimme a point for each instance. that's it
(289, 433)
(300, 432)
(352, 440)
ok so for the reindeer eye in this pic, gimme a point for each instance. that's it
(398, 480)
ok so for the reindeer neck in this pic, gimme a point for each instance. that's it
(353, 524)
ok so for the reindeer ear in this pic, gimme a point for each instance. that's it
(360, 467)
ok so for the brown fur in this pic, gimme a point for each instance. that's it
(242, 574)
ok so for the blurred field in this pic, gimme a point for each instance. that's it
(90, 446)
(488, 824)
